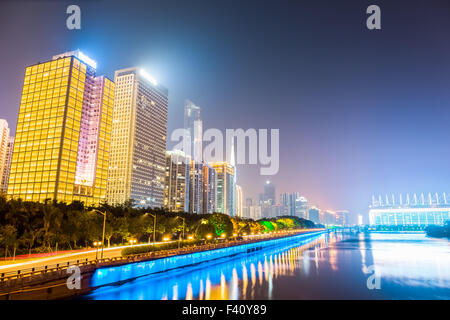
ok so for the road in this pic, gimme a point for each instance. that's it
(64, 258)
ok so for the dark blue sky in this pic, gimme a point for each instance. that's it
(359, 111)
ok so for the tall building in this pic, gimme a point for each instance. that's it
(7, 168)
(314, 215)
(415, 210)
(176, 187)
(63, 132)
(209, 188)
(194, 129)
(269, 193)
(224, 187)
(193, 126)
(4, 140)
(138, 144)
(288, 200)
(196, 187)
(328, 217)
(301, 207)
(341, 217)
(239, 202)
(255, 212)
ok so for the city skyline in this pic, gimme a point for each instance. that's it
(354, 131)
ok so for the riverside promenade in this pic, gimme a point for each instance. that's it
(50, 281)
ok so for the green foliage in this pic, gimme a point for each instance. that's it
(33, 227)
(222, 223)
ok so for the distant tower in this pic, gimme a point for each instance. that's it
(269, 192)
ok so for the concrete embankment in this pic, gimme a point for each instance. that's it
(53, 285)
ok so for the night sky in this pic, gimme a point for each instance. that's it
(359, 111)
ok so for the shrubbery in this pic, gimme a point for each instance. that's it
(159, 247)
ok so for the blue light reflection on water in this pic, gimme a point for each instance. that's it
(110, 275)
(326, 267)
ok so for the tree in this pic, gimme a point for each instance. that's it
(8, 237)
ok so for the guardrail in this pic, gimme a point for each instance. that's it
(48, 269)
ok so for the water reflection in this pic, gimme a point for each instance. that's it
(330, 266)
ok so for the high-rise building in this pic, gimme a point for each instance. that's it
(193, 126)
(4, 140)
(288, 200)
(209, 189)
(176, 187)
(328, 217)
(255, 212)
(269, 193)
(63, 132)
(138, 144)
(301, 207)
(7, 167)
(194, 130)
(196, 188)
(239, 202)
(314, 215)
(224, 187)
(341, 217)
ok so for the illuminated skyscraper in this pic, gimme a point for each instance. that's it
(7, 168)
(193, 127)
(209, 189)
(176, 187)
(225, 185)
(4, 140)
(196, 187)
(239, 202)
(314, 215)
(269, 193)
(63, 132)
(138, 144)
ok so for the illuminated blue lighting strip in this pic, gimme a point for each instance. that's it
(110, 275)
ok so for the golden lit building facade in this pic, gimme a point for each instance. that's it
(62, 103)
(4, 139)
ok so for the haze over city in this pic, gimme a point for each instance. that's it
(359, 112)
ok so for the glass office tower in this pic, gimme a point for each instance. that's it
(138, 147)
(63, 132)
(225, 187)
(176, 190)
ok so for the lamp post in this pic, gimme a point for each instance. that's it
(154, 225)
(96, 244)
(104, 225)
(179, 239)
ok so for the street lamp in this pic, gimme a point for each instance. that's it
(104, 224)
(154, 225)
(179, 239)
(96, 244)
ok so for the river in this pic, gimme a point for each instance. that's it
(328, 266)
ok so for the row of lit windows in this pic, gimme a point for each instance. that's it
(50, 65)
(60, 82)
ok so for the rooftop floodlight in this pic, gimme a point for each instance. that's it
(148, 77)
(86, 59)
